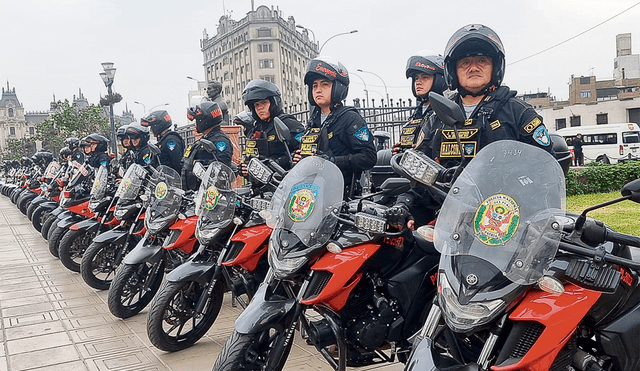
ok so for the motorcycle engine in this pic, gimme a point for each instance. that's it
(369, 315)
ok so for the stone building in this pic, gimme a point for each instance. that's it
(262, 45)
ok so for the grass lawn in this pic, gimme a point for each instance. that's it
(623, 217)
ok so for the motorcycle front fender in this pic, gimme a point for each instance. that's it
(38, 200)
(262, 313)
(87, 225)
(49, 205)
(422, 360)
(113, 236)
(192, 271)
(144, 252)
(68, 221)
(63, 214)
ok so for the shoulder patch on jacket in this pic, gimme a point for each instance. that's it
(541, 136)
(221, 146)
(104, 163)
(299, 137)
(362, 134)
(171, 145)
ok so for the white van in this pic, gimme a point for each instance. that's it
(608, 143)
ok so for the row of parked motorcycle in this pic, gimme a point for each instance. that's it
(505, 279)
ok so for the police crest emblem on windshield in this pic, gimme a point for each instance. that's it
(161, 190)
(211, 198)
(496, 220)
(302, 201)
(126, 183)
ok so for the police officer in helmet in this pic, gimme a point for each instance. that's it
(474, 65)
(208, 116)
(265, 103)
(95, 150)
(128, 156)
(336, 132)
(139, 138)
(77, 153)
(170, 143)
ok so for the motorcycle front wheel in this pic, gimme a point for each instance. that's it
(72, 246)
(38, 217)
(47, 224)
(55, 235)
(172, 323)
(99, 264)
(127, 294)
(250, 351)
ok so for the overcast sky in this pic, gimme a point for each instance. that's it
(56, 47)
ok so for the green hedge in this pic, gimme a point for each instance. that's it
(598, 178)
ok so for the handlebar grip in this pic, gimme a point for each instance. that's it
(276, 167)
(624, 239)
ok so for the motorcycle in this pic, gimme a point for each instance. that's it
(79, 236)
(169, 240)
(50, 173)
(103, 256)
(231, 257)
(338, 260)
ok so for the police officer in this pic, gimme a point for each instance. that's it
(214, 91)
(335, 131)
(208, 116)
(95, 150)
(170, 143)
(426, 70)
(474, 65)
(265, 103)
(76, 152)
(139, 137)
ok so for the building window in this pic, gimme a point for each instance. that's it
(265, 63)
(10, 112)
(270, 78)
(12, 131)
(561, 124)
(265, 48)
(585, 80)
(585, 94)
(226, 76)
(264, 32)
(602, 118)
(32, 130)
(575, 120)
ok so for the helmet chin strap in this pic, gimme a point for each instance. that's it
(487, 89)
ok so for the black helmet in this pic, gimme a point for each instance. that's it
(26, 161)
(43, 157)
(98, 139)
(214, 88)
(121, 133)
(258, 90)
(135, 130)
(330, 69)
(430, 63)
(72, 143)
(206, 114)
(157, 121)
(64, 153)
(470, 40)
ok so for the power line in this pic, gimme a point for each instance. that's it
(571, 38)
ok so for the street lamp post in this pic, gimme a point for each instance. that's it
(308, 29)
(366, 92)
(144, 109)
(338, 34)
(383, 83)
(107, 77)
(159, 105)
(197, 83)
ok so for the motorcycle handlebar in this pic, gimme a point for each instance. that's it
(624, 239)
(595, 253)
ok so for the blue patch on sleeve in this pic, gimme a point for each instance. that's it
(362, 134)
(541, 136)
(221, 146)
(298, 137)
(171, 146)
(104, 163)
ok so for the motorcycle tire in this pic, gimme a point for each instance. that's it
(47, 224)
(55, 235)
(249, 352)
(38, 217)
(172, 312)
(98, 265)
(127, 294)
(30, 210)
(72, 246)
(23, 204)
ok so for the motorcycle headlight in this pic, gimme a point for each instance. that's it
(259, 204)
(283, 268)
(156, 225)
(259, 171)
(462, 318)
(370, 223)
(420, 167)
(119, 213)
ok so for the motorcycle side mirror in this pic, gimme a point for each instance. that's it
(447, 110)
(154, 149)
(282, 131)
(395, 186)
(632, 190)
(207, 145)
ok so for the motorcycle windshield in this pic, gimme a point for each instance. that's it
(80, 173)
(308, 200)
(100, 184)
(129, 187)
(216, 200)
(166, 197)
(52, 170)
(503, 208)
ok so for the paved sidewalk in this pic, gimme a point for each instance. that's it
(51, 320)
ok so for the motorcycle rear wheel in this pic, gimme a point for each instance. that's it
(72, 246)
(98, 265)
(55, 235)
(127, 296)
(249, 351)
(172, 312)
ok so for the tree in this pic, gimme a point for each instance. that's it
(16, 148)
(71, 121)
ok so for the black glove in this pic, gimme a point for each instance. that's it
(398, 215)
